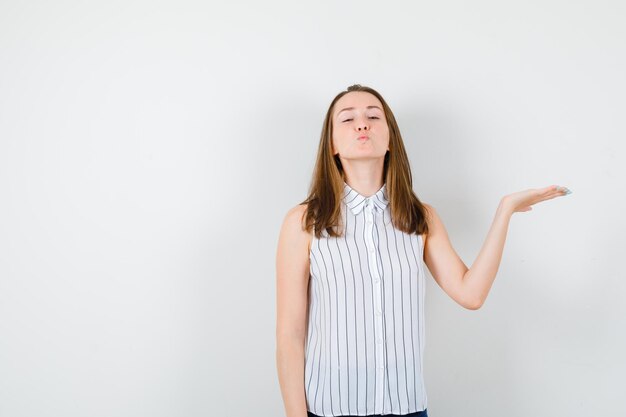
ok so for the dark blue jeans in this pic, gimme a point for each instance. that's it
(423, 413)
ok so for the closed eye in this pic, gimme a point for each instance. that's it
(373, 117)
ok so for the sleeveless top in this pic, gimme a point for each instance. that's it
(365, 318)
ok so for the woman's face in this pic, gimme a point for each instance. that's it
(360, 128)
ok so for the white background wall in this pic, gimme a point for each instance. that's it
(149, 151)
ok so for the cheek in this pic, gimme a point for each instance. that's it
(339, 135)
(386, 132)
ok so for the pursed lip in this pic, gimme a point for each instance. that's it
(363, 137)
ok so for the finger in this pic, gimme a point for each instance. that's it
(546, 195)
(562, 189)
(555, 191)
(551, 189)
(546, 192)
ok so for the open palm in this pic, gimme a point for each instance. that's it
(523, 200)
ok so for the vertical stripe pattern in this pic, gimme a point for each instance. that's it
(365, 335)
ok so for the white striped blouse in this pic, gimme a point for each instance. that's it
(365, 335)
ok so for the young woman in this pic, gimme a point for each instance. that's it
(350, 274)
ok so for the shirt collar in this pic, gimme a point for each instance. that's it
(356, 201)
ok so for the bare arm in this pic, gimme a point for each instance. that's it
(470, 286)
(478, 279)
(443, 262)
(292, 276)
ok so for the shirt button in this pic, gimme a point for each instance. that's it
(376, 280)
(378, 313)
(371, 250)
(381, 367)
(368, 221)
(380, 340)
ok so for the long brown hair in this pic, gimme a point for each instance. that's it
(326, 190)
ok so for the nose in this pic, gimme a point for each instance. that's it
(362, 125)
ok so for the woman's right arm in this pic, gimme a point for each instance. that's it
(292, 277)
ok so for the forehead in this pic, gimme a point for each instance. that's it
(358, 100)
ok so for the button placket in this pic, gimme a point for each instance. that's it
(378, 322)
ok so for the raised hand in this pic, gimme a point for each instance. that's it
(523, 200)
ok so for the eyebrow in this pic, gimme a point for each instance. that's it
(352, 108)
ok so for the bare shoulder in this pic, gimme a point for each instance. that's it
(436, 227)
(293, 226)
(433, 220)
(294, 219)
(429, 208)
(431, 214)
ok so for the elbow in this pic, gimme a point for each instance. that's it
(473, 304)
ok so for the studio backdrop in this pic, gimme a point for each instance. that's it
(149, 152)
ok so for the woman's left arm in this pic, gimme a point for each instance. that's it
(478, 279)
